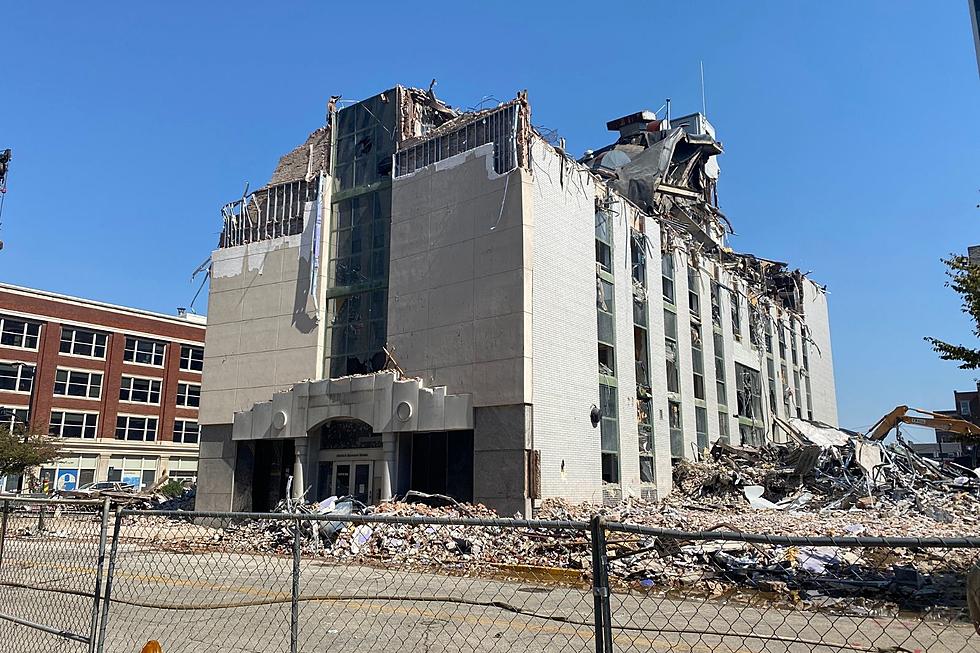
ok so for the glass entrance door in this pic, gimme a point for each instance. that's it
(352, 479)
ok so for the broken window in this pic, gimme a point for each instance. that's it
(609, 433)
(65, 424)
(607, 360)
(139, 390)
(694, 292)
(272, 212)
(809, 399)
(144, 352)
(16, 377)
(136, 427)
(191, 358)
(792, 341)
(805, 353)
(80, 342)
(19, 333)
(640, 356)
(715, 304)
(768, 332)
(676, 431)
(697, 361)
(723, 430)
(189, 395)
(781, 331)
(736, 314)
(603, 239)
(771, 372)
(78, 383)
(667, 273)
(749, 392)
(670, 342)
(186, 431)
(799, 394)
(720, 369)
(701, 426)
(638, 257)
(787, 391)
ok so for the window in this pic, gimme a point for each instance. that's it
(16, 377)
(670, 342)
(186, 431)
(965, 407)
(781, 331)
(135, 427)
(13, 418)
(189, 395)
(749, 392)
(803, 350)
(771, 370)
(787, 391)
(67, 424)
(768, 331)
(720, 369)
(736, 315)
(809, 400)
(603, 239)
(676, 432)
(667, 261)
(792, 342)
(19, 333)
(697, 361)
(79, 342)
(715, 304)
(78, 383)
(609, 433)
(694, 292)
(144, 352)
(139, 390)
(799, 394)
(701, 426)
(191, 358)
(723, 430)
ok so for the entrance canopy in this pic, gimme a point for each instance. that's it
(387, 403)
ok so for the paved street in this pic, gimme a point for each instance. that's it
(241, 603)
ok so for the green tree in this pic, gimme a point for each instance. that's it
(20, 450)
(964, 279)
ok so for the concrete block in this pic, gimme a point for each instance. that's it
(450, 264)
(499, 382)
(225, 306)
(222, 340)
(449, 225)
(261, 301)
(451, 304)
(450, 345)
(497, 428)
(499, 294)
(409, 237)
(499, 337)
(259, 334)
(432, 409)
(499, 251)
(408, 392)
(408, 312)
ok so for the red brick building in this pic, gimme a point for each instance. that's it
(120, 385)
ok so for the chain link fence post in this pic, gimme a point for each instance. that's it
(113, 554)
(99, 563)
(600, 587)
(294, 614)
(3, 529)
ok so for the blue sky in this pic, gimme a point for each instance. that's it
(851, 132)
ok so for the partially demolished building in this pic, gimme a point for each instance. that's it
(445, 301)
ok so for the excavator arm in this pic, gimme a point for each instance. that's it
(932, 420)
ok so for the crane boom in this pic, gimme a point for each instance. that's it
(932, 420)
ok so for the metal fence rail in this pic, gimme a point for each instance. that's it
(51, 556)
(273, 582)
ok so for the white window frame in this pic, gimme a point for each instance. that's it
(11, 421)
(149, 393)
(23, 332)
(185, 361)
(88, 383)
(182, 387)
(19, 378)
(85, 423)
(145, 431)
(964, 404)
(137, 340)
(95, 345)
(183, 432)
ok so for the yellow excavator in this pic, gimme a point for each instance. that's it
(901, 415)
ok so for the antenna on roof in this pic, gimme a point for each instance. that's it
(704, 107)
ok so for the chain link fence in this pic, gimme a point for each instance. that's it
(51, 555)
(276, 582)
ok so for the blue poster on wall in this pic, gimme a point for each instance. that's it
(132, 480)
(67, 479)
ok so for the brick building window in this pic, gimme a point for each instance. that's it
(186, 431)
(16, 377)
(19, 333)
(78, 383)
(144, 352)
(136, 427)
(191, 358)
(139, 390)
(189, 395)
(80, 342)
(67, 424)
(13, 417)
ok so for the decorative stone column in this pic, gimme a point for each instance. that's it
(387, 464)
(299, 484)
